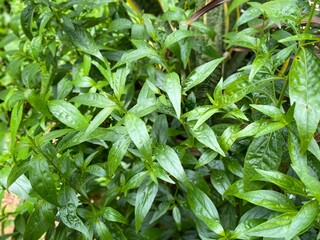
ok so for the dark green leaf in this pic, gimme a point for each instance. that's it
(177, 36)
(144, 199)
(42, 180)
(173, 88)
(26, 18)
(68, 114)
(204, 209)
(169, 161)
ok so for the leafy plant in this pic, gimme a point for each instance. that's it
(104, 134)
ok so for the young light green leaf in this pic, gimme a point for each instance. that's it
(235, 4)
(178, 35)
(40, 220)
(169, 161)
(304, 86)
(204, 209)
(199, 74)
(93, 100)
(98, 119)
(177, 217)
(277, 226)
(116, 154)
(268, 199)
(172, 86)
(138, 133)
(16, 171)
(41, 179)
(68, 114)
(120, 24)
(134, 55)
(303, 219)
(301, 37)
(144, 199)
(291, 184)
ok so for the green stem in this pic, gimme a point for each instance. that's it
(310, 17)
(284, 89)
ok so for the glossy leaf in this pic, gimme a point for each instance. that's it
(263, 153)
(199, 74)
(176, 36)
(113, 215)
(68, 114)
(204, 209)
(116, 154)
(26, 20)
(270, 111)
(37, 102)
(144, 199)
(134, 55)
(138, 133)
(206, 136)
(268, 199)
(173, 88)
(102, 230)
(304, 86)
(303, 219)
(99, 119)
(39, 222)
(15, 120)
(93, 100)
(169, 161)
(42, 180)
(277, 226)
(284, 181)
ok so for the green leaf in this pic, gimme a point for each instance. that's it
(277, 226)
(284, 181)
(219, 180)
(93, 100)
(204, 209)
(270, 111)
(268, 199)
(15, 120)
(300, 166)
(113, 215)
(303, 219)
(243, 227)
(138, 133)
(144, 199)
(177, 217)
(301, 37)
(120, 24)
(41, 179)
(169, 161)
(257, 64)
(68, 114)
(135, 181)
(206, 136)
(37, 102)
(263, 153)
(304, 88)
(16, 171)
(173, 88)
(119, 81)
(99, 119)
(102, 230)
(178, 35)
(235, 4)
(80, 38)
(26, 18)
(40, 220)
(116, 154)
(199, 74)
(69, 217)
(134, 55)
(206, 157)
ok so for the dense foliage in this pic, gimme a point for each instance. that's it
(121, 121)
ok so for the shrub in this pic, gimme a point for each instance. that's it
(121, 124)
